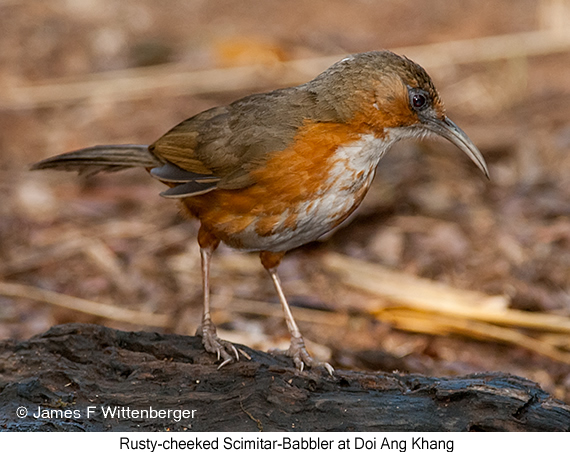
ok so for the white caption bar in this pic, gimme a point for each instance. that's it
(279, 442)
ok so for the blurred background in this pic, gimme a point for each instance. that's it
(439, 272)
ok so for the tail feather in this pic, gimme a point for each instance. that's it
(106, 158)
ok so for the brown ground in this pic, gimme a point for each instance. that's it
(112, 239)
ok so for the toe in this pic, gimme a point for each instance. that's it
(224, 350)
(302, 358)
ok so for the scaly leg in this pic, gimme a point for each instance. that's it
(297, 349)
(207, 329)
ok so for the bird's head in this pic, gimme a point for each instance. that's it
(393, 96)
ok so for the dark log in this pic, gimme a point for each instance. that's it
(74, 366)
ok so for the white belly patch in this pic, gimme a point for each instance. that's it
(350, 174)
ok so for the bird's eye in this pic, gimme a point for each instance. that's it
(418, 100)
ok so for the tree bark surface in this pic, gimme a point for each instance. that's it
(57, 376)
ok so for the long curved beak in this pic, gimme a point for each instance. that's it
(447, 129)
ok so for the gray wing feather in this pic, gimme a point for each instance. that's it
(188, 189)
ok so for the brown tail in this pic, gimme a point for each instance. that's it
(101, 158)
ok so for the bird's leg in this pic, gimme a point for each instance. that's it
(212, 343)
(297, 349)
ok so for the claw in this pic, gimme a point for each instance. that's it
(234, 349)
(244, 354)
(226, 361)
(213, 344)
(329, 368)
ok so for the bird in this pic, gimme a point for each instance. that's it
(273, 171)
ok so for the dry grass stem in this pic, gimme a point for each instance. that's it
(434, 308)
(426, 295)
(174, 79)
(85, 306)
(419, 322)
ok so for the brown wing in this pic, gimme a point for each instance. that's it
(218, 148)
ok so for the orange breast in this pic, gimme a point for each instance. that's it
(299, 194)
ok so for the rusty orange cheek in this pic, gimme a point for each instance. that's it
(393, 109)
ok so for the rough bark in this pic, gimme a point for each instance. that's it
(74, 366)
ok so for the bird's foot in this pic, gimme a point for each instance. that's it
(226, 351)
(301, 356)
